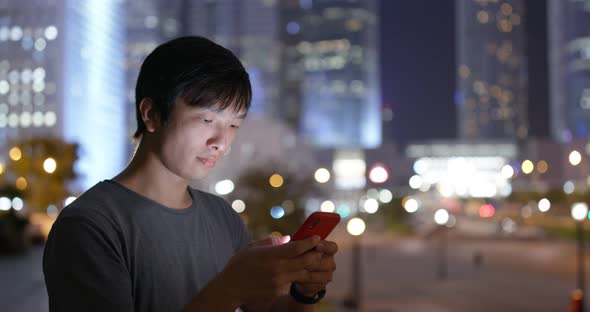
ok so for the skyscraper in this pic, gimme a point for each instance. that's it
(341, 104)
(491, 95)
(59, 76)
(569, 60)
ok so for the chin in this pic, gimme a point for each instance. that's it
(198, 175)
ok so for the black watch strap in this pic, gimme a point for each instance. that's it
(299, 297)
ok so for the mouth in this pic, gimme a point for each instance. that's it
(208, 162)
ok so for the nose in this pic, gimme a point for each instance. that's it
(219, 142)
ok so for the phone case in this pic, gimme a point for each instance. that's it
(318, 223)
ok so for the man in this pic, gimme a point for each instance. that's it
(145, 241)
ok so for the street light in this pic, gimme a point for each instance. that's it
(579, 213)
(575, 158)
(322, 175)
(441, 217)
(356, 227)
(49, 165)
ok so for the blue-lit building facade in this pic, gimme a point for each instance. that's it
(60, 77)
(569, 60)
(341, 104)
(492, 75)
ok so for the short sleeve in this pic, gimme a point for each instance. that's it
(84, 269)
(241, 235)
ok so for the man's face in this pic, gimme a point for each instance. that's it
(196, 138)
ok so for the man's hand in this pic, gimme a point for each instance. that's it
(321, 275)
(265, 270)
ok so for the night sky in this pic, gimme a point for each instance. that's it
(418, 68)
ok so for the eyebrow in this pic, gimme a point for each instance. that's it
(240, 116)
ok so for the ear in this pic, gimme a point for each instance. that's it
(149, 115)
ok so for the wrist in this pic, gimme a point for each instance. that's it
(304, 290)
(228, 289)
(215, 296)
(306, 298)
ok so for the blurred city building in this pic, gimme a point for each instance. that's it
(60, 76)
(492, 73)
(341, 88)
(569, 68)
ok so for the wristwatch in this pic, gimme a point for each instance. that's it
(299, 297)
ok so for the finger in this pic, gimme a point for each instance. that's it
(296, 248)
(319, 277)
(327, 247)
(290, 277)
(310, 261)
(327, 264)
(271, 241)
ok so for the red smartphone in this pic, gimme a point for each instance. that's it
(318, 223)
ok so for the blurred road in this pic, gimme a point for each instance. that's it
(399, 275)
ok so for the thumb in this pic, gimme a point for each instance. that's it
(271, 241)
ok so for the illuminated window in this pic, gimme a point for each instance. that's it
(4, 87)
(40, 44)
(50, 119)
(25, 120)
(150, 22)
(464, 71)
(4, 33)
(51, 33)
(16, 33)
(37, 119)
(13, 120)
(483, 17)
(506, 8)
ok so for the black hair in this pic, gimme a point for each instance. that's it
(195, 69)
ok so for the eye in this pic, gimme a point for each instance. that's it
(235, 126)
(207, 121)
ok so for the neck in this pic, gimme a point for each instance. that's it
(147, 176)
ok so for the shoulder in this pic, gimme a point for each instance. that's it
(97, 207)
(213, 202)
(219, 210)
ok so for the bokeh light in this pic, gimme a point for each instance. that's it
(328, 206)
(542, 166)
(378, 174)
(322, 175)
(356, 226)
(575, 158)
(487, 211)
(21, 183)
(343, 210)
(276, 180)
(371, 205)
(385, 196)
(411, 205)
(15, 153)
(17, 203)
(441, 217)
(415, 182)
(49, 165)
(507, 171)
(224, 187)
(69, 200)
(238, 205)
(579, 211)
(527, 166)
(544, 205)
(277, 212)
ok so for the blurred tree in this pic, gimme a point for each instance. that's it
(254, 188)
(41, 169)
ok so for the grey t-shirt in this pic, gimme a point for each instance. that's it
(115, 250)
